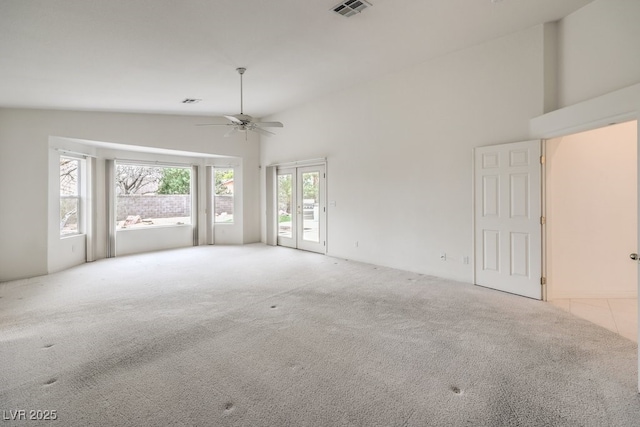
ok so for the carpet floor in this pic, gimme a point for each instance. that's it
(269, 336)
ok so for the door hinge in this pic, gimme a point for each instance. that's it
(324, 209)
(543, 281)
(543, 220)
(542, 160)
(324, 175)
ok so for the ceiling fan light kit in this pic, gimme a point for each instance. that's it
(244, 122)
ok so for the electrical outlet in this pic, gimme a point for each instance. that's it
(356, 244)
(465, 260)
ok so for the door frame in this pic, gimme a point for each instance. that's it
(614, 107)
(271, 198)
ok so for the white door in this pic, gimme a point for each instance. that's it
(301, 208)
(508, 235)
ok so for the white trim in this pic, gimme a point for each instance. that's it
(151, 226)
(300, 163)
(159, 163)
(474, 253)
(615, 107)
(543, 212)
(73, 154)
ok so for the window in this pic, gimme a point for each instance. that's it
(70, 204)
(152, 195)
(223, 195)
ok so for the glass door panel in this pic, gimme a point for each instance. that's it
(286, 190)
(310, 206)
(284, 205)
(301, 211)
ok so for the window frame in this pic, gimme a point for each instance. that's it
(79, 197)
(215, 195)
(157, 164)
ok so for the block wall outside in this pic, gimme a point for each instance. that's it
(156, 206)
(165, 206)
(224, 204)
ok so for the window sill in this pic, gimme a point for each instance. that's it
(151, 227)
(70, 235)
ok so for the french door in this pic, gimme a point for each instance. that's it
(508, 233)
(301, 208)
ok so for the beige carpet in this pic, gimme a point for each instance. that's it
(263, 336)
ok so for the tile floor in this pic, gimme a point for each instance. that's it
(619, 315)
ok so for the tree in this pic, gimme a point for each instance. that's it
(310, 186)
(284, 193)
(134, 179)
(175, 181)
(68, 173)
(222, 177)
(69, 197)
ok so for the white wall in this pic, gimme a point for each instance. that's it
(592, 213)
(152, 239)
(598, 50)
(24, 168)
(399, 151)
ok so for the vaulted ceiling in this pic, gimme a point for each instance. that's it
(149, 55)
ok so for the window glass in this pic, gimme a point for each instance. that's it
(69, 196)
(223, 195)
(152, 195)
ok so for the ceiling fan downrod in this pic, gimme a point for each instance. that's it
(241, 71)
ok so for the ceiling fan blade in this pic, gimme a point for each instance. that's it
(234, 119)
(231, 132)
(269, 124)
(261, 131)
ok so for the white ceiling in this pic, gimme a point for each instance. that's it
(148, 55)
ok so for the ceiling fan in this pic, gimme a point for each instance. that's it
(244, 122)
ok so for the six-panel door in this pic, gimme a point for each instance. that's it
(508, 236)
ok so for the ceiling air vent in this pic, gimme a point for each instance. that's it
(351, 7)
(191, 101)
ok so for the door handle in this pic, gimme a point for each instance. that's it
(634, 256)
